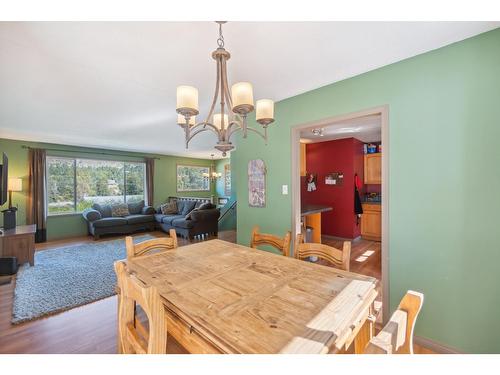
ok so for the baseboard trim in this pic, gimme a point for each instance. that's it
(435, 346)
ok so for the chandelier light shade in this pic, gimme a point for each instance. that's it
(217, 120)
(265, 111)
(242, 97)
(187, 100)
(233, 106)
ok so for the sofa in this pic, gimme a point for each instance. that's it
(100, 220)
(191, 219)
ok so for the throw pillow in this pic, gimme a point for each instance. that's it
(169, 208)
(136, 208)
(105, 211)
(206, 206)
(119, 210)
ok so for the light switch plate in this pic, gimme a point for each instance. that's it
(284, 189)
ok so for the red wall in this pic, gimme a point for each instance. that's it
(343, 155)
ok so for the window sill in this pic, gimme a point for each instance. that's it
(64, 214)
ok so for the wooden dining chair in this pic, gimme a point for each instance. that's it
(133, 336)
(143, 248)
(339, 258)
(149, 246)
(280, 243)
(397, 335)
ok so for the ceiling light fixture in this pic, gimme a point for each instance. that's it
(318, 132)
(234, 106)
(213, 175)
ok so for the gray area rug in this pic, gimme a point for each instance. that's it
(67, 277)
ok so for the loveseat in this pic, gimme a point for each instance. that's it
(194, 217)
(100, 220)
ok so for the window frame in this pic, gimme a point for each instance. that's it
(209, 187)
(74, 160)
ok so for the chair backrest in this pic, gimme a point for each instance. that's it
(280, 243)
(397, 335)
(149, 246)
(339, 258)
(132, 292)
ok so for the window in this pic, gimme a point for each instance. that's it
(76, 184)
(193, 178)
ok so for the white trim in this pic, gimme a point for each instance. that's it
(434, 346)
(385, 214)
(295, 185)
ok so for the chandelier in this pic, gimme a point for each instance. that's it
(234, 106)
(213, 175)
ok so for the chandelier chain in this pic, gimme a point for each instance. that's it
(220, 40)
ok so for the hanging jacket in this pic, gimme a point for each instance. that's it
(358, 208)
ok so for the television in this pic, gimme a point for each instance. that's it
(4, 178)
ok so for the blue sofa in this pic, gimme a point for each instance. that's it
(198, 222)
(100, 221)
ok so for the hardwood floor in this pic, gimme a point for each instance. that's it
(92, 328)
(86, 329)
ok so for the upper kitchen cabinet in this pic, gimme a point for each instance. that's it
(303, 159)
(373, 168)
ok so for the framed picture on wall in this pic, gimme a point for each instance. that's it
(227, 180)
(257, 183)
(311, 181)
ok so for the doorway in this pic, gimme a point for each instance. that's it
(346, 127)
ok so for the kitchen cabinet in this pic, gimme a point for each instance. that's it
(373, 168)
(371, 222)
(303, 159)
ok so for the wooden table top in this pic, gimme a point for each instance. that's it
(18, 230)
(251, 301)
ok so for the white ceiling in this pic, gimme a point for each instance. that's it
(112, 84)
(366, 129)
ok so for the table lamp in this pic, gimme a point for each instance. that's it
(9, 215)
(15, 184)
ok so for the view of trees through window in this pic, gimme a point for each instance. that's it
(76, 184)
(192, 178)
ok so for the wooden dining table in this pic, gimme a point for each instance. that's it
(221, 297)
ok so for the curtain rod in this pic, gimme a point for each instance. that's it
(82, 152)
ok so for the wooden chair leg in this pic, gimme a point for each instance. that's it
(119, 346)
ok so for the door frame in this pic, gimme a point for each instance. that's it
(383, 110)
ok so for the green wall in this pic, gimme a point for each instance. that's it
(444, 118)
(61, 226)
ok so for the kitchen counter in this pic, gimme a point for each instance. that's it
(309, 209)
(311, 214)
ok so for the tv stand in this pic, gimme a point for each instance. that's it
(19, 242)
